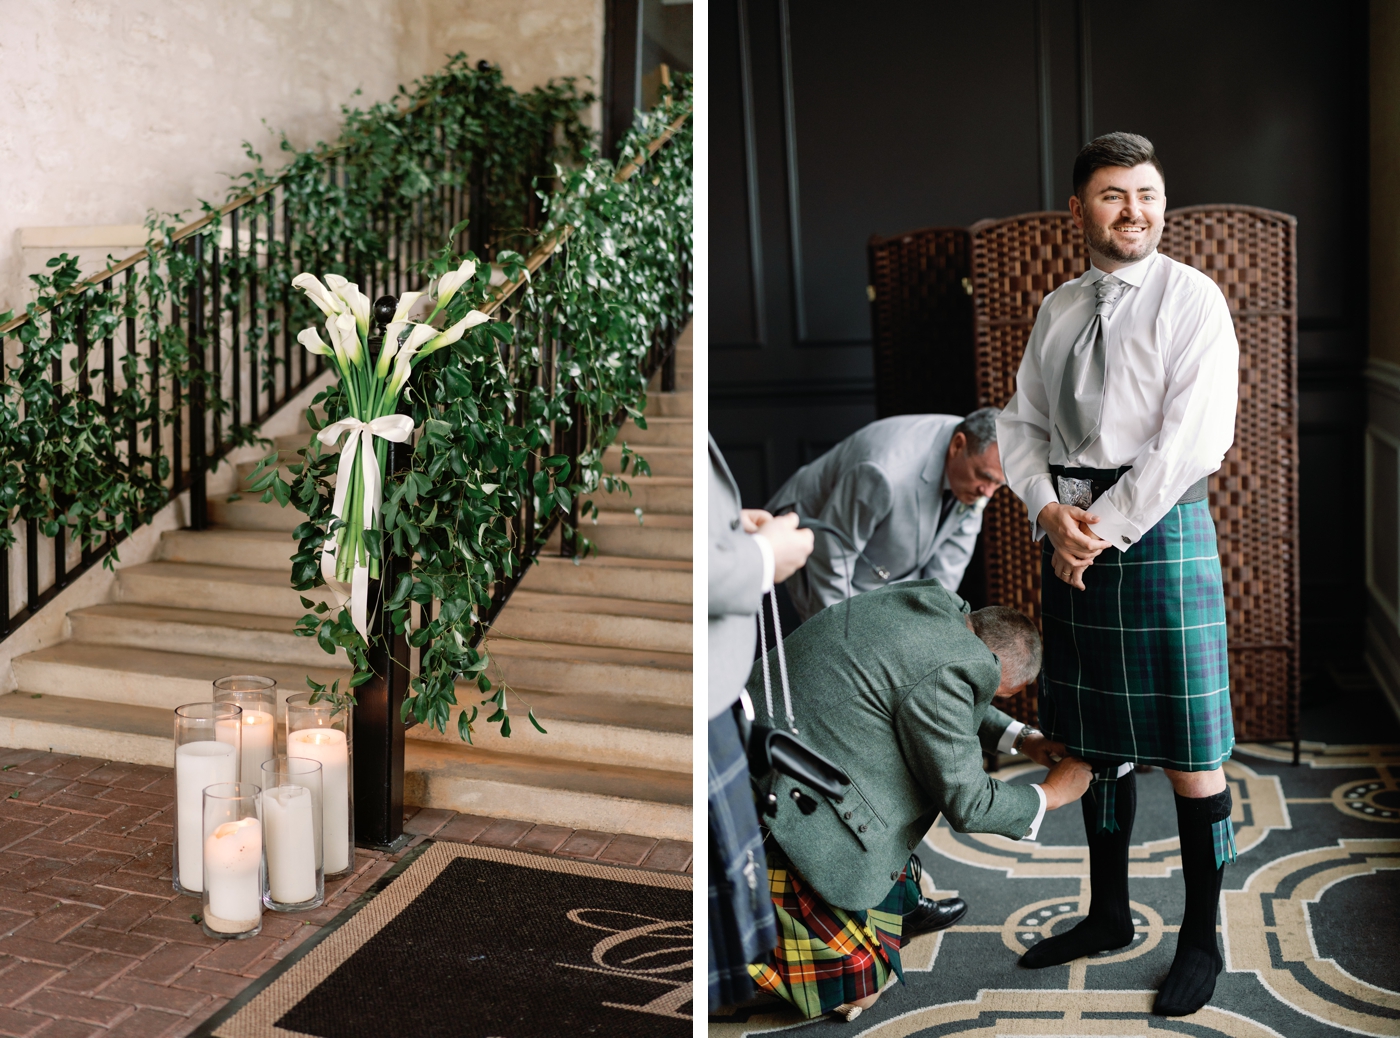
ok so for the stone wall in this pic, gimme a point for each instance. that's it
(110, 109)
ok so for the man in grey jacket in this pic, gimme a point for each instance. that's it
(907, 492)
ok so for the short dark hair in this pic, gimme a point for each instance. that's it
(1124, 150)
(980, 428)
(1012, 636)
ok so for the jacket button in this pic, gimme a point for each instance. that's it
(913, 844)
(864, 827)
(894, 877)
(734, 524)
(848, 814)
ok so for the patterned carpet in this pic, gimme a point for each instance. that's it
(1310, 918)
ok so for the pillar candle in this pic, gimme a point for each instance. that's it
(291, 844)
(232, 863)
(327, 745)
(197, 765)
(258, 729)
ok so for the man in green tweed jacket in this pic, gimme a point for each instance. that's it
(896, 687)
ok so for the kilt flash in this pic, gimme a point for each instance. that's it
(827, 955)
(1136, 665)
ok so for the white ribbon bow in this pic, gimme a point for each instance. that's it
(393, 427)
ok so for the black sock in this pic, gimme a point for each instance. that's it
(1110, 922)
(1191, 981)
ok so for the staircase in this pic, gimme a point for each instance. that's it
(599, 648)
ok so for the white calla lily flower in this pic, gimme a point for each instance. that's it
(330, 304)
(333, 333)
(448, 284)
(389, 348)
(309, 338)
(406, 302)
(356, 302)
(452, 334)
(403, 363)
(350, 338)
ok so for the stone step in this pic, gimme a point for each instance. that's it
(236, 635)
(582, 620)
(671, 495)
(583, 795)
(632, 675)
(654, 537)
(579, 728)
(670, 405)
(223, 589)
(148, 677)
(87, 727)
(660, 432)
(664, 461)
(611, 576)
(245, 549)
(248, 512)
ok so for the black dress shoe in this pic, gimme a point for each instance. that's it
(928, 916)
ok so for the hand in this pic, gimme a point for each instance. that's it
(791, 546)
(1042, 750)
(1068, 530)
(1067, 782)
(753, 518)
(1070, 569)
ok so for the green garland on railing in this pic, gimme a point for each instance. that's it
(619, 283)
(64, 458)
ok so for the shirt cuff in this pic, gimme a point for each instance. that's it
(766, 550)
(1112, 525)
(1008, 737)
(1039, 493)
(1039, 815)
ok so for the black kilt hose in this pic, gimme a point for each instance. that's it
(1136, 668)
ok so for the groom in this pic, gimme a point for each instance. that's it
(1124, 405)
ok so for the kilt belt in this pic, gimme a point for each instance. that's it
(1081, 487)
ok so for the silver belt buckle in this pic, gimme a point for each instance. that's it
(1076, 492)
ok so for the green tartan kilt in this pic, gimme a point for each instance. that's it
(1136, 665)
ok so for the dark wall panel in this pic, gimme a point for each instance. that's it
(882, 118)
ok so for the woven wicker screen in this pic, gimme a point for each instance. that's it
(921, 318)
(1250, 253)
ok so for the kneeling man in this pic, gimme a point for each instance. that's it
(902, 701)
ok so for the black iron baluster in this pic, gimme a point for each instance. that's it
(235, 283)
(216, 368)
(378, 730)
(130, 364)
(199, 510)
(109, 397)
(60, 547)
(5, 554)
(177, 407)
(287, 300)
(31, 564)
(157, 436)
(254, 385)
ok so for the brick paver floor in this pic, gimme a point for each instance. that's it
(93, 941)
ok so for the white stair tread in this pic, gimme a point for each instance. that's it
(514, 647)
(87, 727)
(617, 561)
(192, 617)
(650, 520)
(589, 605)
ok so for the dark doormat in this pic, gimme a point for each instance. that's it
(473, 942)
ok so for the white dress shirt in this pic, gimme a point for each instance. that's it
(1170, 388)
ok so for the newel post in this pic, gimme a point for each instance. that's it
(378, 732)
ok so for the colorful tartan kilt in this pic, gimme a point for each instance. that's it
(1136, 666)
(826, 955)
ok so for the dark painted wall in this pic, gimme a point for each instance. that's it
(831, 123)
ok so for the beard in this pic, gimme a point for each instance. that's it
(1100, 240)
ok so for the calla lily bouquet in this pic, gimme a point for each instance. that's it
(372, 387)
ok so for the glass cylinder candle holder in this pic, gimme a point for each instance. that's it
(258, 698)
(233, 860)
(321, 732)
(292, 827)
(208, 742)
